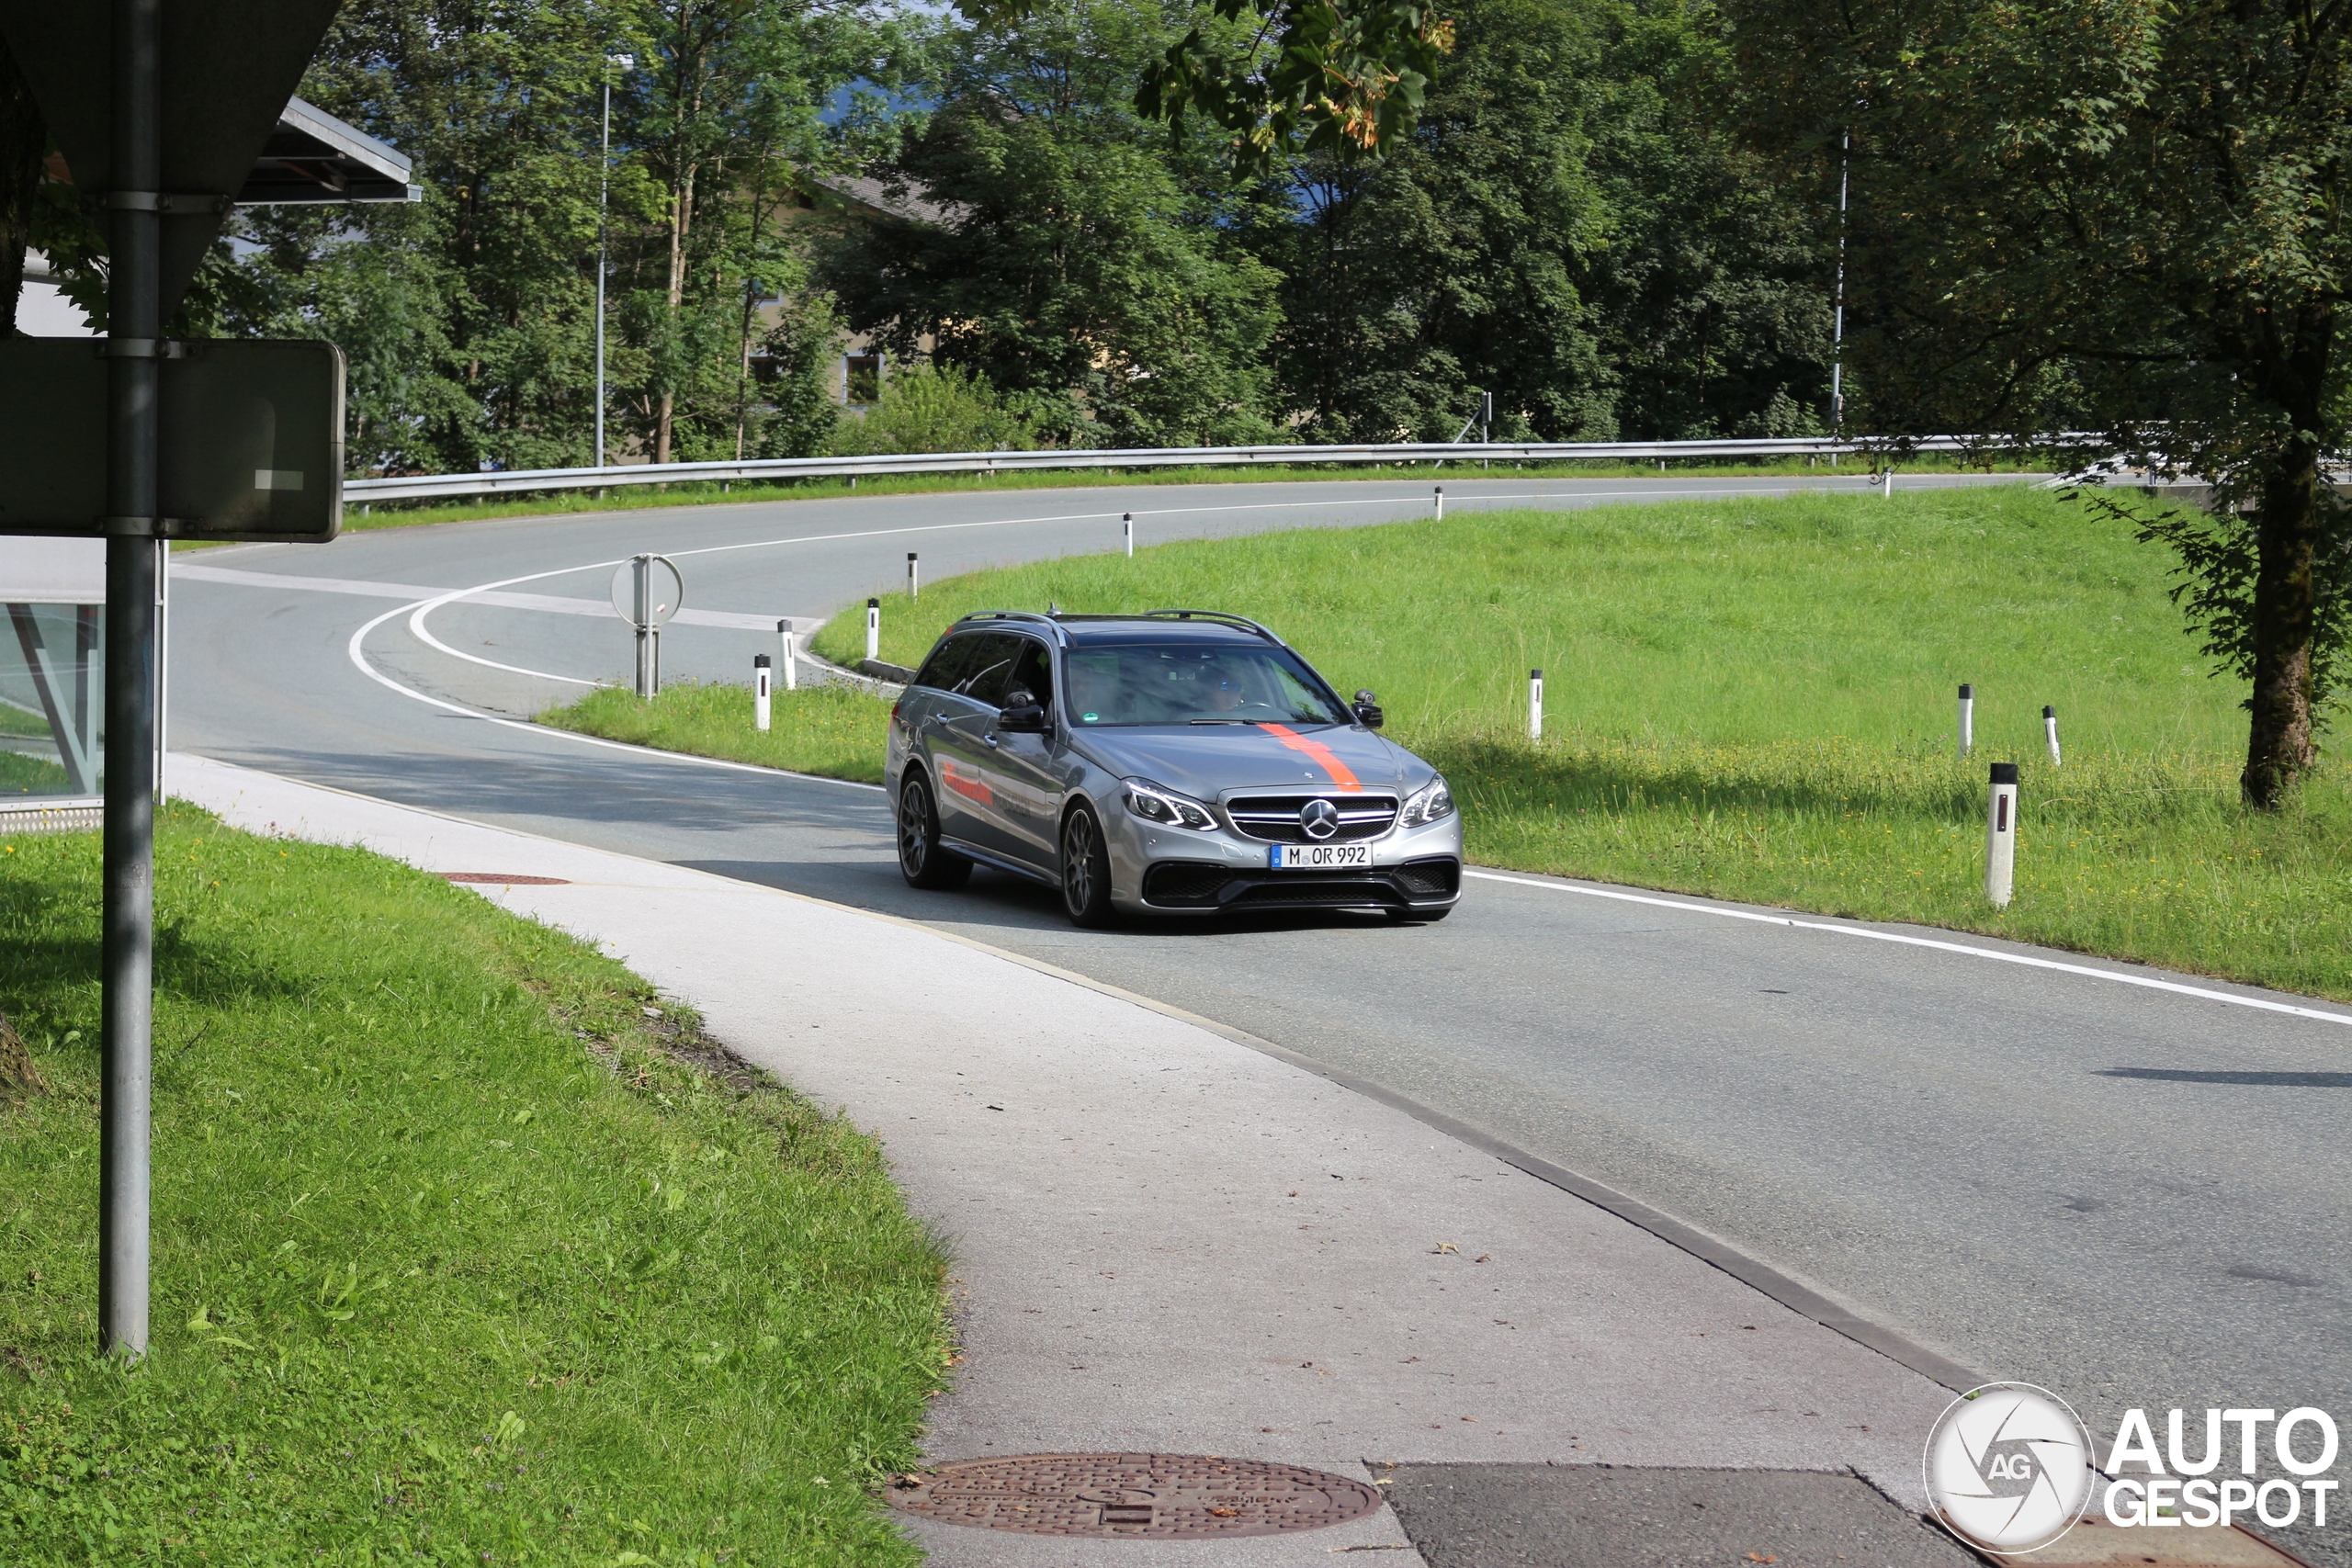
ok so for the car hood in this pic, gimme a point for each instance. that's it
(1207, 761)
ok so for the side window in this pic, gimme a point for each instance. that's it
(991, 668)
(948, 663)
(1035, 672)
(1302, 701)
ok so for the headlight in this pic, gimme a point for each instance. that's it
(1430, 803)
(1155, 803)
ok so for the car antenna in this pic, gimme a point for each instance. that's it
(1052, 608)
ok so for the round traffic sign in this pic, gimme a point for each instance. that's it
(646, 591)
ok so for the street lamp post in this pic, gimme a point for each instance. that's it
(604, 196)
(1838, 328)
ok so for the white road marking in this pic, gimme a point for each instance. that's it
(416, 627)
(359, 659)
(1843, 930)
(733, 620)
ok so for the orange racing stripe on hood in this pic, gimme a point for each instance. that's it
(1321, 754)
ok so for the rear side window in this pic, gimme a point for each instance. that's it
(949, 663)
(991, 671)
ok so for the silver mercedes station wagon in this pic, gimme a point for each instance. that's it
(1174, 763)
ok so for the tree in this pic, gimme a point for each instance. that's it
(1450, 266)
(469, 317)
(1056, 251)
(41, 211)
(1568, 226)
(2120, 216)
(24, 137)
(1291, 77)
(725, 114)
(1708, 293)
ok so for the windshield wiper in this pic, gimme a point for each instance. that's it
(1239, 721)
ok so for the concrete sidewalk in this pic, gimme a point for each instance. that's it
(1168, 1242)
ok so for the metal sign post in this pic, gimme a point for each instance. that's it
(646, 591)
(169, 153)
(134, 326)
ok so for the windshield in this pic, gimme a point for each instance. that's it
(1158, 683)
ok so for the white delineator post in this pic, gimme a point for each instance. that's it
(1127, 531)
(2050, 729)
(2001, 834)
(783, 637)
(874, 628)
(1535, 704)
(914, 587)
(1440, 500)
(759, 674)
(1967, 719)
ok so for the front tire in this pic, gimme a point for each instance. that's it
(920, 860)
(1086, 870)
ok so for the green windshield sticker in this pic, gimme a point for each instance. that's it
(1091, 717)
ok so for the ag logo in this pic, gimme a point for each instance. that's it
(2008, 1467)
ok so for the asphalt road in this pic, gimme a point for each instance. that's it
(2130, 1196)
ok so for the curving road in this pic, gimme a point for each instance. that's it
(2062, 1173)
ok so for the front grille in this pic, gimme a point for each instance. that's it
(1437, 877)
(1330, 893)
(1275, 818)
(1184, 882)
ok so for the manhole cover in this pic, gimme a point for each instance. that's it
(501, 879)
(1160, 1496)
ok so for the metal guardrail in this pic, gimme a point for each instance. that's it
(510, 481)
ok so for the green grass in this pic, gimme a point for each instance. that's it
(20, 775)
(459, 1258)
(15, 720)
(828, 729)
(634, 498)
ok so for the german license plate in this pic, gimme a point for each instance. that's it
(1320, 857)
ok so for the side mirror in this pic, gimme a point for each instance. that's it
(1367, 711)
(1023, 714)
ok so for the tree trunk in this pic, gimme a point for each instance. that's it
(681, 205)
(2292, 356)
(2279, 744)
(24, 137)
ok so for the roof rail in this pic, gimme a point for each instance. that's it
(1217, 615)
(1028, 615)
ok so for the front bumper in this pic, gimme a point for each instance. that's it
(1169, 870)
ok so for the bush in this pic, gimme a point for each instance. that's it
(930, 409)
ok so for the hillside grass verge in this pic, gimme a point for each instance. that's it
(459, 1255)
(832, 730)
(1754, 699)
